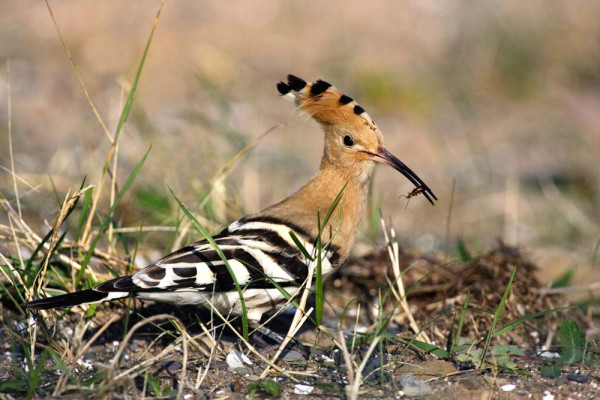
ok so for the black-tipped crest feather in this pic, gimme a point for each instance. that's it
(295, 83)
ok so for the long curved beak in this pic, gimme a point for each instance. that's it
(385, 157)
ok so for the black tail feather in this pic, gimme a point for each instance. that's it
(66, 300)
(101, 292)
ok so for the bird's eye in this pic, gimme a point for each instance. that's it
(348, 141)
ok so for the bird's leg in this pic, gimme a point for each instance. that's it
(260, 332)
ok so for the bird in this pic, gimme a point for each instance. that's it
(261, 249)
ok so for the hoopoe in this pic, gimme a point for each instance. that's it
(259, 247)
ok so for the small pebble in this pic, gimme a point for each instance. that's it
(509, 387)
(303, 389)
(471, 383)
(21, 329)
(372, 365)
(561, 380)
(549, 354)
(578, 378)
(172, 365)
(413, 387)
(85, 365)
(338, 358)
(548, 395)
(243, 371)
(291, 355)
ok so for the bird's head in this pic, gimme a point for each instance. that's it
(353, 141)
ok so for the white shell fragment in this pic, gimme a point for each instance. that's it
(236, 359)
(303, 389)
(509, 387)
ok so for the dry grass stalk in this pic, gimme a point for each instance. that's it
(250, 347)
(300, 315)
(68, 204)
(26, 236)
(141, 366)
(94, 204)
(352, 390)
(10, 144)
(216, 182)
(394, 254)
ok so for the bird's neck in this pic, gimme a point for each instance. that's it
(318, 196)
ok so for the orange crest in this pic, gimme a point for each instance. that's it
(325, 103)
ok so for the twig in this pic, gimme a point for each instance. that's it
(299, 316)
(67, 206)
(220, 176)
(78, 75)
(352, 390)
(568, 289)
(10, 144)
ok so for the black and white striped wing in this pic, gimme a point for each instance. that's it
(259, 251)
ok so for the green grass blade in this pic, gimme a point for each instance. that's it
(380, 328)
(430, 348)
(332, 207)
(36, 374)
(319, 277)
(461, 322)
(319, 249)
(595, 259)
(212, 242)
(499, 310)
(136, 80)
(449, 218)
(301, 246)
(87, 200)
(509, 327)
(284, 292)
(27, 271)
(373, 210)
(16, 386)
(463, 253)
(107, 219)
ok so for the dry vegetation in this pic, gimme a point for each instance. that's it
(495, 105)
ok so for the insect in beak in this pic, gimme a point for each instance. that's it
(385, 157)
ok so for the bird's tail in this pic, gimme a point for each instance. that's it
(117, 288)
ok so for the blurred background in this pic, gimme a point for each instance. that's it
(495, 104)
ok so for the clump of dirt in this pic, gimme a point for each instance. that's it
(437, 288)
